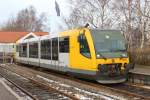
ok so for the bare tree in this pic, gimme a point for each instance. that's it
(131, 16)
(96, 12)
(134, 20)
(144, 18)
(26, 20)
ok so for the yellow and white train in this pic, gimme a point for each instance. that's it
(86, 53)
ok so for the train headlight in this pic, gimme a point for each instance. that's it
(98, 56)
(124, 55)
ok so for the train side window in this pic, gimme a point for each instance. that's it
(23, 50)
(55, 49)
(84, 47)
(33, 50)
(64, 44)
(45, 49)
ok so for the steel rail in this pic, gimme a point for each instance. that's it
(20, 88)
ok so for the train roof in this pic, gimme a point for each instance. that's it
(73, 31)
(105, 29)
(66, 33)
(35, 39)
(59, 34)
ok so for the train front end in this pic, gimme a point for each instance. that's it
(112, 60)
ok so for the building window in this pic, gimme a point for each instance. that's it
(23, 50)
(45, 49)
(64, 44)
(33, 50)
(84, 47)
(55, 49)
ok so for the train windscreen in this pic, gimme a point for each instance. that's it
(107, 42)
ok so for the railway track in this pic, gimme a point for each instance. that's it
(70, 92)
(22, 90)
(34, 89)
(121, 90)
(128, 89)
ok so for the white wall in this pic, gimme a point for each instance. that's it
(7, 47)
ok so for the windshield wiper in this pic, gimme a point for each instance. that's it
(121, 50)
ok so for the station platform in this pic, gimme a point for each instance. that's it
(140, 74)
(6, 93)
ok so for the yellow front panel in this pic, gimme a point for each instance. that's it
(77, 60)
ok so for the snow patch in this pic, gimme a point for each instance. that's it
(77, 89)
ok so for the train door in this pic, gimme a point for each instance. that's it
(55, 53)
(63, 53)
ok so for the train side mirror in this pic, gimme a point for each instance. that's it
(81, 37)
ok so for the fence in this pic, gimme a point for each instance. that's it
(6, 52)
(6, 57)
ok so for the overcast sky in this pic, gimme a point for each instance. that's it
(10, 8)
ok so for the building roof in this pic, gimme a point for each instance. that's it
(12, 37)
